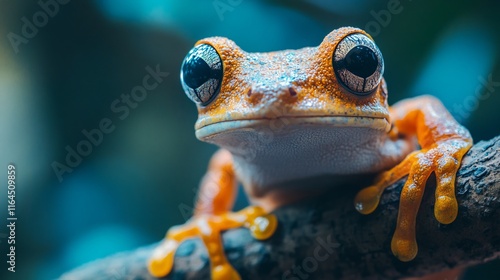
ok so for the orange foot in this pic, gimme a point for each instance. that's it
(209, 227)
(444, 159)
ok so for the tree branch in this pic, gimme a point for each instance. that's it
(326, 238)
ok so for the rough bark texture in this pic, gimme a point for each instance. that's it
(325, 238)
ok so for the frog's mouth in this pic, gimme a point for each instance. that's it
(283, 123)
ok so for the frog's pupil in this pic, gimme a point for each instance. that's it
(361, 61)
(196, 72)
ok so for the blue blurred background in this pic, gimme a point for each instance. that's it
(142, 177)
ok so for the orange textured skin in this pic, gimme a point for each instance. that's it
(293, 83)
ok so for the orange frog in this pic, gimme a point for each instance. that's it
(295, 115)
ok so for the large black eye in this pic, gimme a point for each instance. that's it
(201, 74)
(358, 64)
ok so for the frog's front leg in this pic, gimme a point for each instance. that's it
(212, 216)
(443, 143)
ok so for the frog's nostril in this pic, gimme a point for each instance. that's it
(292, 91)
(254, 96)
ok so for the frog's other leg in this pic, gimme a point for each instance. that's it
(443, 144)
(215, 199)
(219, 186)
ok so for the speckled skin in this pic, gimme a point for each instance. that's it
(282, 117)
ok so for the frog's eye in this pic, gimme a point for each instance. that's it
(358, 64)
(201, 74)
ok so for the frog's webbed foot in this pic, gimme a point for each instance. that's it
(443, 158)
(211, 218)
(209, 227)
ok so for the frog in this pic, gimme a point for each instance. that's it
(283, 118)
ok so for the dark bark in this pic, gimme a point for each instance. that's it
(359, 246)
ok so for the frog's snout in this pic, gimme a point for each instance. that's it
(256, 96)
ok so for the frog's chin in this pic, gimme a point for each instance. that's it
(284, 124)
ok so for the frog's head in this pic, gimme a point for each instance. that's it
(249, 101)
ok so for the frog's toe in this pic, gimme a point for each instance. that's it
(162, 260)
(225, 271)
(262, 227)
(367, 200)
(404, 244)
(446, 206)
(404, 249)
(446, 209)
